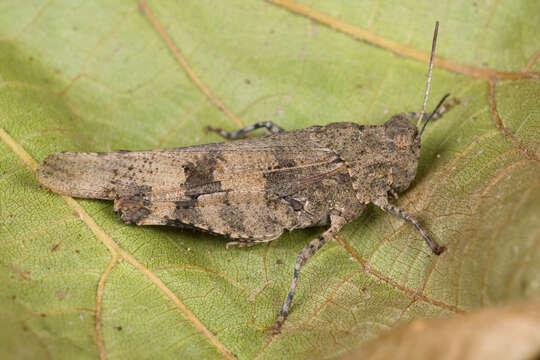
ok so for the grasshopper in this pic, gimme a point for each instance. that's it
(252, 190)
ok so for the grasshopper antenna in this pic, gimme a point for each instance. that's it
(433, 114)
(426, 95)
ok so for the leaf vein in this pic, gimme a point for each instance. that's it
(114, 248)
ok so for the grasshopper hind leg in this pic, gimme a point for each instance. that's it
(247, 242)
(336, 223)
(268, 125)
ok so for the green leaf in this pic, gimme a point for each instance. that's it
(100, 75)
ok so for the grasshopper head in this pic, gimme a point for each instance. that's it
(402, 136)
(406, 139)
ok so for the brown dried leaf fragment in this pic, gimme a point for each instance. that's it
(505, 333)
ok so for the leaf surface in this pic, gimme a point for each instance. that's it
(99, 76)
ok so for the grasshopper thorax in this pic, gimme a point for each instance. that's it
(404, 138)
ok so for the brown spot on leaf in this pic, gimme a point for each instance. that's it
(61, 294)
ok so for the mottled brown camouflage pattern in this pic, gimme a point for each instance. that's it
(248, 189)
